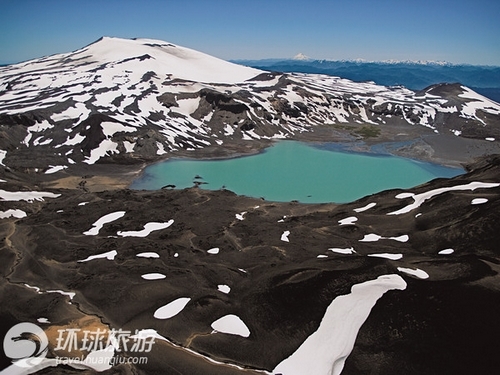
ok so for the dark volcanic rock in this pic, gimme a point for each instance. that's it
(280, 289)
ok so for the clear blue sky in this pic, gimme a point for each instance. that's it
(458, 31)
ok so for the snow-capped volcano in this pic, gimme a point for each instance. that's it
(136, 56)
(142, 98)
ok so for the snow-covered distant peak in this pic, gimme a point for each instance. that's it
(301, 57)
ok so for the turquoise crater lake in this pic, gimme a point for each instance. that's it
(292, 170)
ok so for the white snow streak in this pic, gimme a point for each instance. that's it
(148, 228)
(325, 351)
(96, 227)
(28, 196)
(148, 255)
(421, 198)
(55, 168)
(367, 207)
(346, 251)
(110, 255)
(387, 256)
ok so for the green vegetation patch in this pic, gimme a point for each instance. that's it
(366, 131)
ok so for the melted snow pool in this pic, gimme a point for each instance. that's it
(292, 170)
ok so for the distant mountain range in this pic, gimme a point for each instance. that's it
(415, 75)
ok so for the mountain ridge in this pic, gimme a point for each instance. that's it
(138, 100)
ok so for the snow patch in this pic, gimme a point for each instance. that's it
(446, 252)
(28, 196)
(223, 288)
(348, 220)
(110, 128)
(367, 207)
(55, 168)
(171, 309)
(110, 255)
(3, 154)
(284, 236)
(97, 226)
(153, 276)
(105, 148)
(241, 215)
(161, 149)
(387, 256)
(349, 250)
(414, 272)
(148, 228)
(213, 251)
(148, 255)
(19, 214)
(231, 324)
(479, 201)
(129, 146)
(76, 140)
(372, 237)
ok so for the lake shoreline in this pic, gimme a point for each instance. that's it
(444, 150)
(307, 172)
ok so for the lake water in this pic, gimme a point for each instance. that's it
(292, 170)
